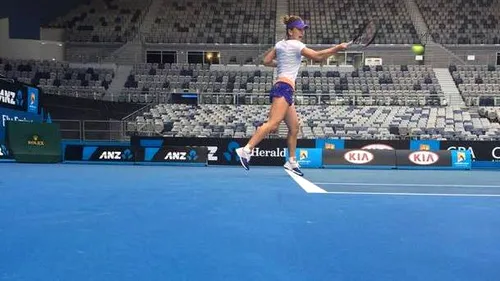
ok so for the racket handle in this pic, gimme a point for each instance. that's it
(349, 43)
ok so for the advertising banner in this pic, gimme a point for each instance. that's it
(18, 96)
(15, 115)
(433, 159)
(222, 151)
(102, 153)
(330, 143)
(430, 145)
(5, 153)
(359, 158)
(479, 150)
(175, 154)
(308, 157)
(423, 158)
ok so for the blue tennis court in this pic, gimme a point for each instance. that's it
(119, 222)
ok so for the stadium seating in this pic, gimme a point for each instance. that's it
(382, 85)
(214, 21)
(59, 78)
(462, 21)
(348, 122)
(160, 78)
(334, 21)
(103, 21)
(478, 84)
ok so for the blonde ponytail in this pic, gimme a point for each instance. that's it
(290, 18)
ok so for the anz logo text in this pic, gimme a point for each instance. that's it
(7, 97)
(173, 155)
(116, 155)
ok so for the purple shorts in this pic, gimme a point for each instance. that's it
(282, 89)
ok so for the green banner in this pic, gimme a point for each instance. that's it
(34, 142)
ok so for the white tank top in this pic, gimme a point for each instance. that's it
(288, 58)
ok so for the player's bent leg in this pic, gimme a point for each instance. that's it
(276, 115)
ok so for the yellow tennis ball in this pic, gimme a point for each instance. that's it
(418, 49)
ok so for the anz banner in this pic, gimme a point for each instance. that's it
(124, 153)
(18, 96)
(103, 153)
(269, 152)
(174, 154)
(5, 153)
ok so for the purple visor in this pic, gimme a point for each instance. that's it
(299, 24)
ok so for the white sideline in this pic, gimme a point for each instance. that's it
(308, 186)
(408, 184)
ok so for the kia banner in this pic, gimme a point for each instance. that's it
(433, 159)
(423, 158)
(359, 158)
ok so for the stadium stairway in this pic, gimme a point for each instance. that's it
(435, 54)
(150, 16)
(449, 88)
(116, 86)
(282, 8)
(128, 54)
(439, 56)
(418, 20)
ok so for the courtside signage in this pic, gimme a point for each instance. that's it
(358, 157)
(423, 157)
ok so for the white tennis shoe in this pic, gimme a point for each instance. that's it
(244, 157)
(293, 167)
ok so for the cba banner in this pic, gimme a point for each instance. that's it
(480, 150)
(176, 154)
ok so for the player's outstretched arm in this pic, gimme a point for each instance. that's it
(323, 54)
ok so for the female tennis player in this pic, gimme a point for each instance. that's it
(286, 56)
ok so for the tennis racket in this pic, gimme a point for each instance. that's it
(366, 36)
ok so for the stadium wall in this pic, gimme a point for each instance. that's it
(483, 54)
(52, 34)
(239, 51)
(27, 48)
(319, 153)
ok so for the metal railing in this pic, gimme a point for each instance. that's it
(93, 130)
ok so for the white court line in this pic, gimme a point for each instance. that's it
(308, 186)
(407, 184)
(415, 194)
